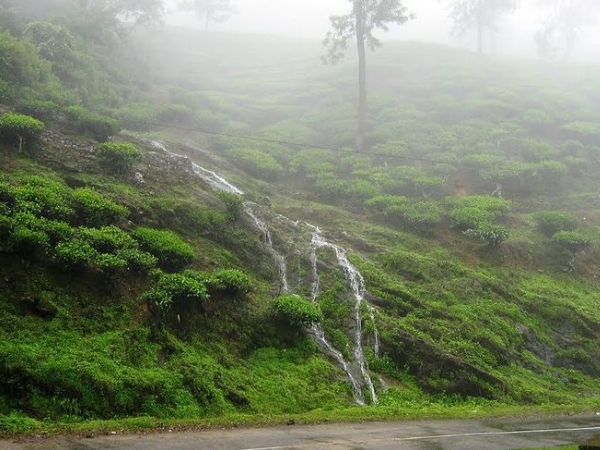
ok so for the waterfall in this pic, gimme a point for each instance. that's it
(213, 179)
(357, 284)
(279, 259)
(356, 371)
(319, 334)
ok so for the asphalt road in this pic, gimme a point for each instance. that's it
(489, 434)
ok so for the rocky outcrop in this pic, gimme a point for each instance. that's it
(437, 371)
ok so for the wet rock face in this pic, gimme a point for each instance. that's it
(591, 444)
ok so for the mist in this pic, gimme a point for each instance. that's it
(309, 19)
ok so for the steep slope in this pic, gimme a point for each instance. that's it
(335, 278)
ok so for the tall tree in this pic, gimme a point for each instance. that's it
(480, 14)
(365, 18)
(564, 26)
(210, 10)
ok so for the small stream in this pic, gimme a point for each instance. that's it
(356, 370)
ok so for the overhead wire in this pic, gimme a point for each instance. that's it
(338, 149)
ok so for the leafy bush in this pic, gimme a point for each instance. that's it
(19, 127)
(423, 214)
(476, 211)
(92, 209)
(173, 253)
(26, 241)
(74, 254)
(119, 158)
(571, 241)
(181, 288)
(44, 197)
(139, 116)
(234, 205)
(229, 281)
(137, 260)
(109, 239)
(492, 235)
(550, 222)
(297, 311)
(44, 110)
(257, 163)
(98, 126)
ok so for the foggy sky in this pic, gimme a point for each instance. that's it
(310, 19)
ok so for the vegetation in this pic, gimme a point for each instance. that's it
(161, 302)
(119, 158)
(18, 127)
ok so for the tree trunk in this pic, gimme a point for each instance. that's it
(207, 20)
(480, 27)
(362, 75)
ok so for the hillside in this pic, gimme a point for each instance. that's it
(228, 252)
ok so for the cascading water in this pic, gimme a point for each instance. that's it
(357, 285)
(354, 277)
(279, 259)
(213, 179)
(319, 334)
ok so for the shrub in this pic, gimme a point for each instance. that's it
(119, 158)
(550, 222)
(476, 211)
(423, 214)
(137, 260)
(44, 110)
(98, 126)
(571, 241)
(386, 204)
(181, 288)
(234, 205)
(45, 198)
(74, 254)
(296, 311)
(492, 235)
(257, 163)
(229, 281)
(25, 241)
(108, 239)
(92, 209)
(19, 127)
(173, 253)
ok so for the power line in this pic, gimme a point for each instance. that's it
(325, 147)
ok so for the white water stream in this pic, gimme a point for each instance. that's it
(354, 277)
(357, 284)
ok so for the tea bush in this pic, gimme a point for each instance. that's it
(98, 126)
(93, 209)
(172, 252)
(551, 222)
(17, 128)
(119, 158)
(296, 311)
(571, 241)
(229, 281)
(181, 288)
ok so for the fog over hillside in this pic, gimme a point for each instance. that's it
(431, 23)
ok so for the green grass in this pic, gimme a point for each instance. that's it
(467, 329)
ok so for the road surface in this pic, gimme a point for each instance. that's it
(488, 434)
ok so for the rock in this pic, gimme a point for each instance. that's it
(41, 307)
(591, 444)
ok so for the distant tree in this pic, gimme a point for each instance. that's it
(99, 21)
(564, 26)
(366, 17)
(19, 127)
(480, 14)
(210, 10)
